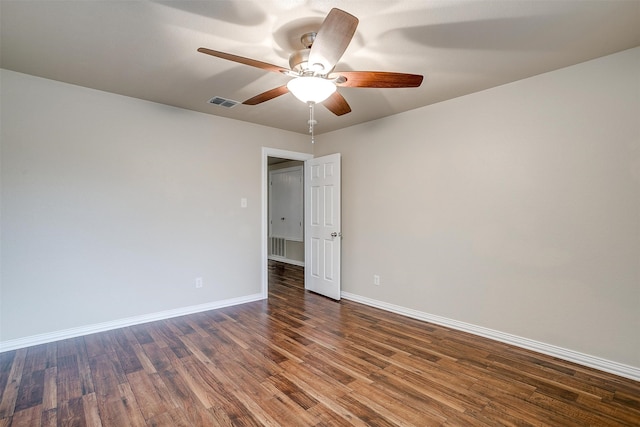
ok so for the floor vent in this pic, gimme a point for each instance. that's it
(223, 102)
(278, 247)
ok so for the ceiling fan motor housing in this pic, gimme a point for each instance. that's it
(299, 60)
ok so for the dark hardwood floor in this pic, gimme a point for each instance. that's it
(300, 359)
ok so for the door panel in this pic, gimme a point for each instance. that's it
(286, 203)
(323, 222)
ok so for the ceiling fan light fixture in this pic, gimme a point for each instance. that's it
(311, 89)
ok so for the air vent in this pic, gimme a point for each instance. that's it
(223, 102)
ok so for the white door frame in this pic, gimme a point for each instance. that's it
(266, 153)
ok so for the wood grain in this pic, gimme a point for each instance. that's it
(378, 79)
(301, 359)
(337, 104)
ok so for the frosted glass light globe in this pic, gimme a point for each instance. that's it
(311, 89)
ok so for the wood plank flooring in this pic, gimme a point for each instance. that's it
(299, 359)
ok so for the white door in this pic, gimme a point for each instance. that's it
(322, 225)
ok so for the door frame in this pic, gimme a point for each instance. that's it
(283, 154)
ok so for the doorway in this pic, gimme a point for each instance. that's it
(269, 155)
(286, 211)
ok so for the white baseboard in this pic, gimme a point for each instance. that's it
(540, 347)
(121, 323)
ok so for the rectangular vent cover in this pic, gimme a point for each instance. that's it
(223, 102)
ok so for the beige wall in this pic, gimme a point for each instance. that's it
(112, 206)
(515, 209)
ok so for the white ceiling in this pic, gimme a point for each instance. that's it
(147, 49)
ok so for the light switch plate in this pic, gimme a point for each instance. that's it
(243, 202)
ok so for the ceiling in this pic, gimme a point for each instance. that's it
(147, 49)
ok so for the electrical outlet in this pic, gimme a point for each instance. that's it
(198, 282)
(376, 279)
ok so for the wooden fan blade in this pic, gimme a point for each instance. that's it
(337, 104)
(379, 79)
(266, 96)
(332, 40)
(243, 60)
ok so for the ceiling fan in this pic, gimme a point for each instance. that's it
(314, 82)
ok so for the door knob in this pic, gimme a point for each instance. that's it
(334, 234)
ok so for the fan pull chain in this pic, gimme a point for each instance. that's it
(312, 122)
